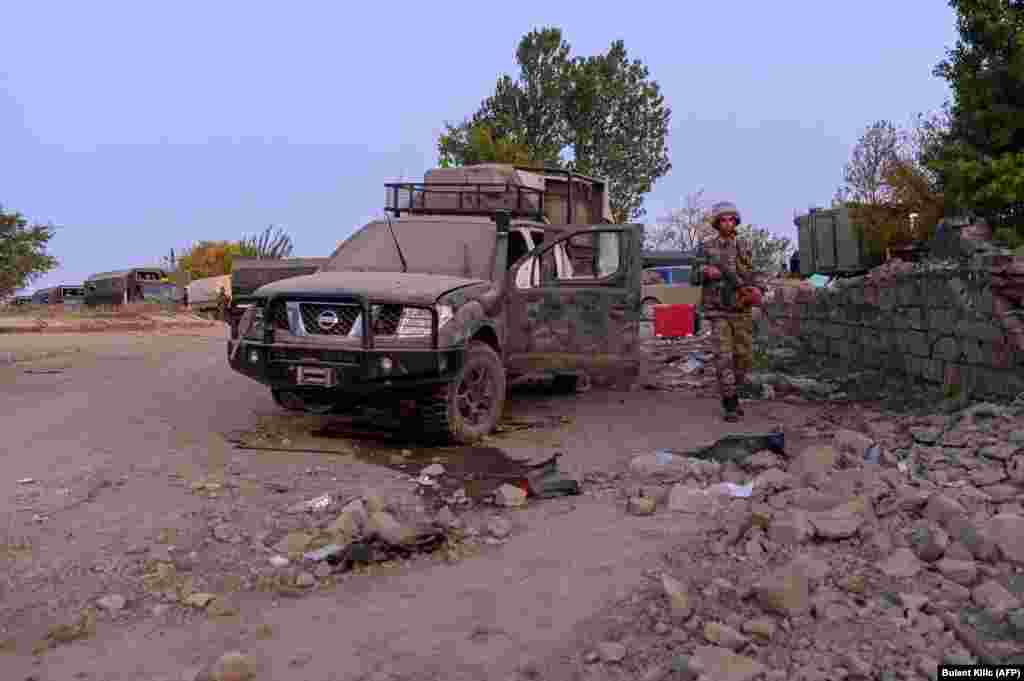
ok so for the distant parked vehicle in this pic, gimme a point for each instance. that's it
(136, 285)
(68, 296)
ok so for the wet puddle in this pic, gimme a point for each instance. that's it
(470, 472)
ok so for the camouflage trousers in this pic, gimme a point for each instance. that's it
(733, 345)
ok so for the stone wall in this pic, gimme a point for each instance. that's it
(960, 324)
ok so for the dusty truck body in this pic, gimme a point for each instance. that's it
(432, 309)
(248, 274)
(136, 285)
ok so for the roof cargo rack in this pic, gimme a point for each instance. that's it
(549, 195)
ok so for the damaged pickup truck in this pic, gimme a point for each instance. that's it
(463, 286)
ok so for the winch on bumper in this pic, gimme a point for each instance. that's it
(350, 345)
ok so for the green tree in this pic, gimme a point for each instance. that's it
(604, 112)
(480, 144)
(981, 160)
(209, 259)
(268, 244)
(23, 256)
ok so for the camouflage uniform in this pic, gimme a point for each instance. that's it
(733, 327)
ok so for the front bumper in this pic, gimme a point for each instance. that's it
(352, 371)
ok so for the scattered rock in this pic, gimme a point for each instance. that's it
(853, 443)
(855, 584)
(346, 525)
(941, 509)
(901, 564)
(963, 572)
(611, 651)
(762, 628)
(199, 600)
(384, 525)
(499, 527)
(301, 658)
(689, 499)
(928, 542)
(678, 596)
(641, 505)
(791, 529)
(813, 463)
(278, 561)
(856, 666)
(293, 543)
(721, 664)
(510, 496)
(993, 596)
(786, 591)
(434, 470)
(372, 502)
(762, 460)
(446, 518)
(112, 603)
(964, 530)
(233, 667)
(724, 636)
(928, 667)
(816, 569)
(1007, 531)
(221, 607)
(836, 524)
(1015, 470)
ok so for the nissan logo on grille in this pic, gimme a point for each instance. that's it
(327, 320)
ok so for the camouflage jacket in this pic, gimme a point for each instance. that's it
(728, 255)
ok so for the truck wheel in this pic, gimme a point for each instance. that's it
(469, 407)
(647, 307)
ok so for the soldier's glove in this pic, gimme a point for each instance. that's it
(749, 297)
(712, 273)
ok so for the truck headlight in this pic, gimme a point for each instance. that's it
(416, 321)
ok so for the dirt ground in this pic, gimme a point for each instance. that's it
(152, 521)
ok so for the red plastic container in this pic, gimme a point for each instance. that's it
(673, 321)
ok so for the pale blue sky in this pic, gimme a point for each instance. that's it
(138, 129)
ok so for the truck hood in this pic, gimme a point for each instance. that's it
(400, 287)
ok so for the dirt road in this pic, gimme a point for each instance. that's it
(107, 437)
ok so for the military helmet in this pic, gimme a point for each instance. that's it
(724, 208)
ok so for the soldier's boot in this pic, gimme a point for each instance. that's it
(729, 405)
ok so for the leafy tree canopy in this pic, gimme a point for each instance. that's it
(981, 159)
(23, 256)
(603, 113)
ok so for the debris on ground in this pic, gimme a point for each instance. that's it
(887, 542)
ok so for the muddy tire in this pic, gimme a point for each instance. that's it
(647, 309)
(468, 408)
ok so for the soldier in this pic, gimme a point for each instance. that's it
(724, 270)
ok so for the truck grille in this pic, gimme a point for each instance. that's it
(385, 319)
(279, 316)
(328, 319)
